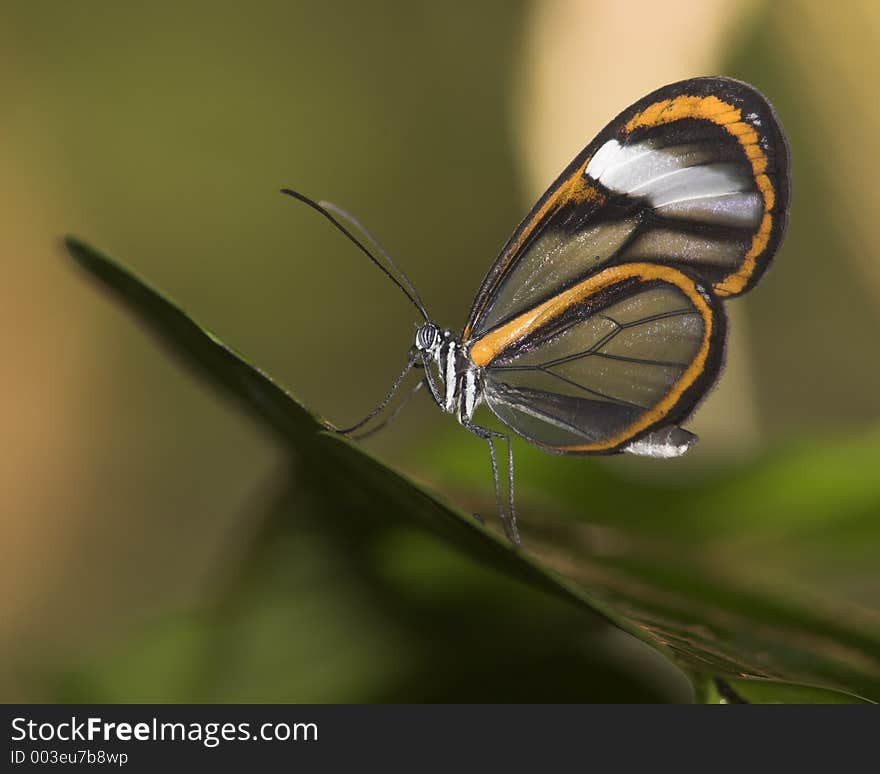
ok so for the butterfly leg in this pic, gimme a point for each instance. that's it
(511, 507)
(508, 520)
(385, 401)
(390, 417)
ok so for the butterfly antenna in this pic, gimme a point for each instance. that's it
(353, 221)
(412, 296)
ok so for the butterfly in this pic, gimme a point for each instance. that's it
(601, 325)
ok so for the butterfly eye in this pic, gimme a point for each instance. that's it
(426, 336)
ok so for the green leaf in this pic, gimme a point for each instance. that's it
(648, 558)
(715, 690)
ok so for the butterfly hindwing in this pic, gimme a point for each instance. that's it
(615, 359)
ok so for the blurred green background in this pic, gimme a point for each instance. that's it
(131, 494)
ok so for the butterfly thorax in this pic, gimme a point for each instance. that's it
(451, 377)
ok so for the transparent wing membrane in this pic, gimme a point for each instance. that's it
(609, 367)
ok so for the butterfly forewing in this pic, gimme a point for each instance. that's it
(694, 175)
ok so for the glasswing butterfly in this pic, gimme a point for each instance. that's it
(601, 325)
